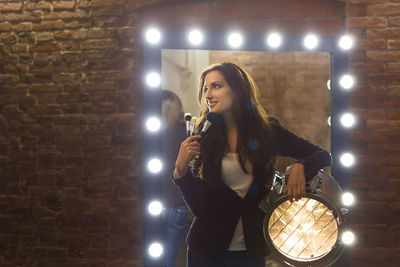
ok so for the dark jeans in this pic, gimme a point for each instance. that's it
(223, 259)
(175, 219)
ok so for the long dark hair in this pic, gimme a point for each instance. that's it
(255, 139)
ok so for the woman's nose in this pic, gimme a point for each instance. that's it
(207, 95)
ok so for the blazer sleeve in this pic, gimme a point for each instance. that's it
(311, 156)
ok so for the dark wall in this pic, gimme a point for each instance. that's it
(70, 119)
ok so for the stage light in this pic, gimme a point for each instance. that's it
(153, 36)
(348, 238)
(347, 120)
(348, 199)
(346, 42)
(154, 165)
(155, 250)
(235, 40)
(328, 84)
(347, 159)
(274, 40)
(153, 79)
(311, 41)
(346, 81)
(153, 124)
(155, 208)
(195, 37)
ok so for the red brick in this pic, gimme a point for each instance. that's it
(383, 125)
(356, 56)
(54, 46)
(38, 5)
(366, 22)
(97, 44)
(383, 55)
(394, 184)
(384, 149)
(48, 25)
(384, 33)
(358, 102)
(385, 102)
(305, 8)
(394, 90)
(368, 137)
(369, 114)
(330, 26)
(5, 26)
(266, 9)
(370, 44)
(367, 183)
(64, 4)
(394, 21)
(393, 67)
(367, 1)
(394, 44)
(367, 67)
(384, 195)
(231, 10)
(383, 9)
(394, 137)
(385, 78)
(9, 38)
(10, 6)
(354, 10)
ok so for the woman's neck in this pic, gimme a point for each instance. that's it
(231, 130)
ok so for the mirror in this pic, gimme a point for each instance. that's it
(293, 87)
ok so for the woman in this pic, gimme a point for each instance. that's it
(175, 212)
(236, 159)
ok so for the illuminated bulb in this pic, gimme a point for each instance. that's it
(195, 37)
(329, 121)
(348, 238)
(154, 165)
(153, 124)
(311, 41)
(155, 250)
(328, 84)
(346, 42)
(153, 79)
(347, 159)
(155, 208)
(347, 120)
(153, 36)
(346, 81)
(347, 199)
(274, 40)
(235, 40)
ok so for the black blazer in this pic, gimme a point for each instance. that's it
(217, 208)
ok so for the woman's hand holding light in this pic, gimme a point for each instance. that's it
(296, 184)
(189, 148)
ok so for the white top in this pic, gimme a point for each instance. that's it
(234, 177)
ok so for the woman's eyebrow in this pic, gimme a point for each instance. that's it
(216, 82)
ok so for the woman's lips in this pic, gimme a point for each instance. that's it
(211, 104)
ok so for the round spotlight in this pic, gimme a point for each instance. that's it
(348, 199)
(347, 120)
(274, 40)
(153, 36)
(329, 121)
(347, 159)
(328, 84)
(155, 208)
(235, 40)
(346, 42)
(153, 124)
(346, 81)
(311, 41)
(153, 79)
(154, 165)
(195, 37)
(155, 250)
(348, 238)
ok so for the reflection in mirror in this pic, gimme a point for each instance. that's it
(293, 86)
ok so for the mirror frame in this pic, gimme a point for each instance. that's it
(151, 106)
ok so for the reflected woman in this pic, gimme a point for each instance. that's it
(235, 162)
(175, 212)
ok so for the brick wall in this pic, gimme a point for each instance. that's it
(69, 98)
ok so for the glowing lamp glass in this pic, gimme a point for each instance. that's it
(155, 208)
(329, 121)
(346, 42)
(153, 36)
(347, 159)
(348, 238)
(153, 124)
(235, 40)
(195, 37)
(154, 165)
(155, 250)
(346, 81)
(347, 199)
(328, 84)
(311, 41)
(153, 79)
(274, 40)
(347, 120)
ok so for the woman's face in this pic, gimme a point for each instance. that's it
(217, 93)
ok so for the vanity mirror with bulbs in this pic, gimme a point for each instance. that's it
(303, 80)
